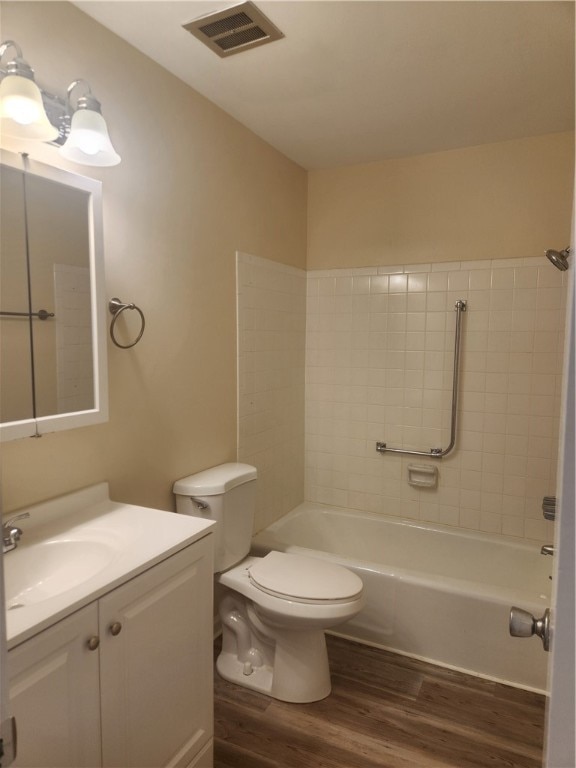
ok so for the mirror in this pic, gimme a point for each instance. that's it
(52, 319)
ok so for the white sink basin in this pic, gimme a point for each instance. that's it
(43, 570)
(78, 547)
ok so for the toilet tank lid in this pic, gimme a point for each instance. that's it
(215, 480)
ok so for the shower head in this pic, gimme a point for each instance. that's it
(559, 258)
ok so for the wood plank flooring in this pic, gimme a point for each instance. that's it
(385, 711)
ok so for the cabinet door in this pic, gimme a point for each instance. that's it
(156, 663)
(54, 694)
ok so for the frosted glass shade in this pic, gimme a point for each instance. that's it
(22, 113)
(89, 142)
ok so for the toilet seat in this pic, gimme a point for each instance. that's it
(285, 615)
(304, 579)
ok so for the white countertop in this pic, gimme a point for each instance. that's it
(127, 539)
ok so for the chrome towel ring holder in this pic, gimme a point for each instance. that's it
(116, 308)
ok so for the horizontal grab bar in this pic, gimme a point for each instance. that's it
(438, 453)
(434, 452)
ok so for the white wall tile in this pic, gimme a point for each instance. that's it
(374, 347)
(505, 459)
(271, 307)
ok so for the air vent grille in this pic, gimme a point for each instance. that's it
(228, 24)
(234, 30)
(241, 38)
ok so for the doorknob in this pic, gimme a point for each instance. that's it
(523, 624)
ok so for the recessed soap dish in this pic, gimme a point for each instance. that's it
(422, 475)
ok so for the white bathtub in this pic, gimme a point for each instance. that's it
(432, 592)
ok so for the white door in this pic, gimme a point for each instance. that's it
(561, 714)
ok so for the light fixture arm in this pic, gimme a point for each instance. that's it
(17, 65)
(86, 101)
(10, 44)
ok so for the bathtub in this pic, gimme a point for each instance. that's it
(432, 592)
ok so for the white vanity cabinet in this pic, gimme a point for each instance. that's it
(55, 694)
(156, 673)
(143, 695)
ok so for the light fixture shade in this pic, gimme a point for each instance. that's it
(88, 142)
(22, 113)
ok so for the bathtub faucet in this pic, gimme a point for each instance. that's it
(547, 549)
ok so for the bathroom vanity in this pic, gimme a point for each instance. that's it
(110, 635)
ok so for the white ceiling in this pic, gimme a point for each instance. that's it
(356, 81)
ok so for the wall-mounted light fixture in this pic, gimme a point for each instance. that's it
(22, 112)
(88, 141)
(27, 112)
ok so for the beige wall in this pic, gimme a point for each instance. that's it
(507, 200)
(194, 187)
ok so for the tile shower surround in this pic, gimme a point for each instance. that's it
(271, 306)
(379, 353)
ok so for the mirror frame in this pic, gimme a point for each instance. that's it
(35, 427)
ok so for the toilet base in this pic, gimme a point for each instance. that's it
(263, 679)
(231, 668)
(287, 665)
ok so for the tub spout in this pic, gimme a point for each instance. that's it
(547, 549)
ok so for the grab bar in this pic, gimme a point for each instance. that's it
(438, 453)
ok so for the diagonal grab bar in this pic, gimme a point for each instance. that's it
(438, 453)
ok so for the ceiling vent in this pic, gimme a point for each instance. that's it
(234, 30)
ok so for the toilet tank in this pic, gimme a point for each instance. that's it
(227, 495)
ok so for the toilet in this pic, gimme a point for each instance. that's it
(273, 609)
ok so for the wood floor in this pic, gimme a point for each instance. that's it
(385, 711)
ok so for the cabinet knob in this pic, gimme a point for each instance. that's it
(93, 642)
(115, 628)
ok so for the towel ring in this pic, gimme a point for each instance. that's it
(116, 308)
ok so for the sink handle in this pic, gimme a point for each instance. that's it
(10, 534)
(10, 522)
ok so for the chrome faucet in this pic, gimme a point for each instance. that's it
(11, 534)
(547, 549)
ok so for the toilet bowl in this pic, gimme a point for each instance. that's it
(273, 609)
(274, 623)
